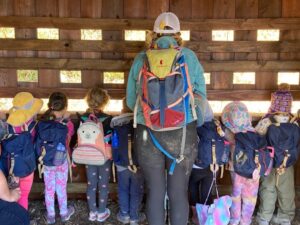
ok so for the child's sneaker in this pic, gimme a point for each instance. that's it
(101, 217)
(93, 216)
(70, 212)
(123, 219)
(142, 217)
(50, 219)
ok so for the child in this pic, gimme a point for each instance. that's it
(130, 179)
(279, 186)
(98, 176)
(21, 119)
(201, 178)
(236, 118)
(56, 177)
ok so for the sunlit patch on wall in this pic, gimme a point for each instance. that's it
(48, 33)
(291, 78)
(222, 35)
(27, 75)
(244, 78)
(135, 35)
(268, 35)
(70, 76)
(89, 34)
(113, 77)
(7, 32)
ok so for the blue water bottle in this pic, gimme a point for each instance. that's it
(60, 155)
(115, 140)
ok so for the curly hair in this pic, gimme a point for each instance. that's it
(151, 37)
(96, 98)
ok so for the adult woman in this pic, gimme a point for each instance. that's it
(11, 212)
(181, 144)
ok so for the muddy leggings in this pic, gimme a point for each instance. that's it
(155, 166)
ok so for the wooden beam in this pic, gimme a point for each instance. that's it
(79, 93)
(122, 24)
(137, 46)
(124, 65)
(65, 64)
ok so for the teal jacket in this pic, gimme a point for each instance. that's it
(195, 71)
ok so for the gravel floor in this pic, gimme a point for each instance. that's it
(37, 211)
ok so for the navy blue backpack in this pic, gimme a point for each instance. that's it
(122, 142)
(212, 146)
(49, 137)
(18, 156)
(284, 137)
(251, 151)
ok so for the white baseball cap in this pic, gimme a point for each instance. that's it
(167, 19)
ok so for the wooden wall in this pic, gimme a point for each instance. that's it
(114, 54)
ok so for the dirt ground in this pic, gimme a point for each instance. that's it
(37, 211)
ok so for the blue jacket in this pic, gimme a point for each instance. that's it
(123, 126)
(195, 71)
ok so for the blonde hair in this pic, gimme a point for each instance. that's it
(97, 98)
(151, 37)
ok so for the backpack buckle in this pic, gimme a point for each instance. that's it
(180, 159)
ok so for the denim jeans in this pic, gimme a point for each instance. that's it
(131, 190)
(11, 213)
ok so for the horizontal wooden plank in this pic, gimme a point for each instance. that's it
(137, 46)
(79, 93)
(121, 24)
(124, 65)
(65, 64)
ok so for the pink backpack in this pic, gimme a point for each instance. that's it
(91, 148)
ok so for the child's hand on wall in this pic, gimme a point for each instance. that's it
(2, 116)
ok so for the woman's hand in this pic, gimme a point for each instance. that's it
(15, 194)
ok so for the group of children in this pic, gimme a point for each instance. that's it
(276, 185)
(263, 173)
(49, 145)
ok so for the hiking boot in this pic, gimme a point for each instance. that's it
(101, 217)
(50, 219)
(123, 219)
(92, 216)
(280, 221)
(67, 216)
(261, 221)
(142, 218)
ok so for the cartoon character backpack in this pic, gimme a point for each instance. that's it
(213, 149)
(252, 157)
(166, 96)
(50, 143)
(18, 156)
(91, 148)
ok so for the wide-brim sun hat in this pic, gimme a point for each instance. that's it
(169, 20)
(25, 107)
(236, 118)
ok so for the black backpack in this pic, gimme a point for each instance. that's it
(251, 151)
(213, 149)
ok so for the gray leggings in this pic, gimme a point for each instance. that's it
(154, 164)
(98, 176)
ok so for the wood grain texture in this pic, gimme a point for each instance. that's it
(118, 45)
(246, 8)
(202, 9)
(290, 8)
(224, 9)
(269, 8)
(120, 24)
(154, 8)
(135, 9)
(183, 9)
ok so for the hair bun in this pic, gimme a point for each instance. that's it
(284, 87)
